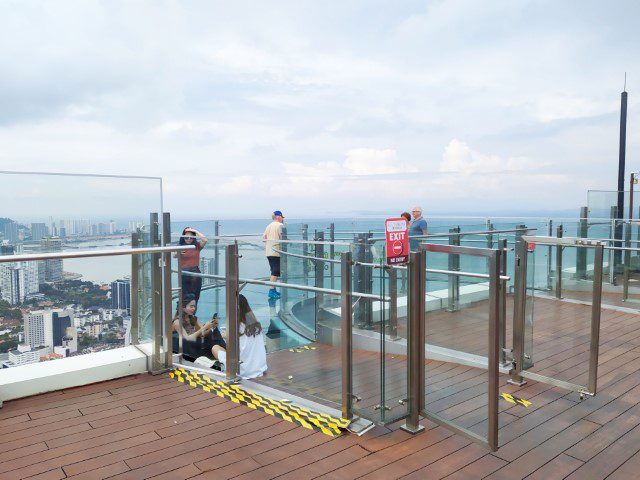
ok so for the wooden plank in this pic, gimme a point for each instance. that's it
(478, 469)
(545, 452)
(559, 467)
(103, 472)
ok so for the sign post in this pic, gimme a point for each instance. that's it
(397, 240)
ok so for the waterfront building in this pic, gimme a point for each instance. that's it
(18, 281)
(38, 231)
(135, 225)
(121, 295)
(207, 267)
(52, 268)
(11, 232)
(103, 229)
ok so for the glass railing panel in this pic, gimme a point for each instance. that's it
(394, 346)
(71, 213)
(558, 331)
(457, 338)
(201, 309)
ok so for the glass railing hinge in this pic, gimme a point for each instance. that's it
(378, 407)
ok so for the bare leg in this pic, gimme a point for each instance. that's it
(215, 349)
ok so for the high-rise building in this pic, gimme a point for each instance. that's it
(103, 229)
(38, 231)
(52, 268)
(60, 321)
(18, 280)
(207, 267)
(11, 232)
(112, 227)
(34, 328)
(121, 294)
(47, 327)
(134, 225)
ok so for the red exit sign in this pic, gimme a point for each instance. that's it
(397, 240)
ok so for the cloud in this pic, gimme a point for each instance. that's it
(459, 158)
(358, 161)
(323, 107)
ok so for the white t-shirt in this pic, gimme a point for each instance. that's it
(273, 233)
(253, 355)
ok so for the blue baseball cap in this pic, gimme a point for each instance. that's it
(278, 213)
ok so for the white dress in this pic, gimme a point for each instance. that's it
(253, 355)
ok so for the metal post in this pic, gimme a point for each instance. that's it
(520, 231)
(581, 254)
(358, 278)
(319, 269)
(346, 334)
(216, 257)
(134, 332)
(156, 301)
(453, 281)
(166, 291)
(612, 227)
(233, 346)
(549, 255)
(332, 238)
(305, 252)
(393, 303)
(490, 227)
(284, 270)
(502, 321)
(519, 313)
(368, 281)
(596, 302)
(559, 264)
(495, 308)
(627, 263)
(415, 340)
(180, 297)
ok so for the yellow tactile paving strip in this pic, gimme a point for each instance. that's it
(304, 417)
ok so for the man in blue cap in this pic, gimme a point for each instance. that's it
(272, 235)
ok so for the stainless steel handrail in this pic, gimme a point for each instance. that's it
(564, 241)
(434, 270)
(293, 286)
(308, 257)
(89, 254)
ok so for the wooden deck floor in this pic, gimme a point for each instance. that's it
(145, 426)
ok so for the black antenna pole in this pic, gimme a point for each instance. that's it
(622, 151)
(621, 165)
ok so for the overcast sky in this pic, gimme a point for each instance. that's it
(325, 108)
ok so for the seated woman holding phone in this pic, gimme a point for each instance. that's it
(197, 340)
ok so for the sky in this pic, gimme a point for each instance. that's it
(337, 108)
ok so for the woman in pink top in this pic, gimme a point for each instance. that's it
(191, 261)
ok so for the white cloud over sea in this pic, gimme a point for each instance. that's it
(324, 107)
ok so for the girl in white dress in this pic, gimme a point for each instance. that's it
(253, 354)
